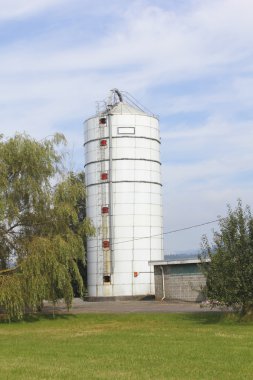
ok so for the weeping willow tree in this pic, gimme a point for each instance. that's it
(42, 225)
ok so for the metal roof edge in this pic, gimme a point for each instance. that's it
(178, 262)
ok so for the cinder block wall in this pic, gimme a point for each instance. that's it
(183, 287)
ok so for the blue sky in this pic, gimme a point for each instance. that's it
(190, 62)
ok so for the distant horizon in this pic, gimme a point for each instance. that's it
(183, 252)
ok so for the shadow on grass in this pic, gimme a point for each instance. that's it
(48, 316)
(33, 318)
(214, 317)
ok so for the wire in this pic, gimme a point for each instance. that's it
(166, 233)
(150, 236)
(147, 237)
(194, 226)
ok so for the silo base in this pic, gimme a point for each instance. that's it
(148, 297)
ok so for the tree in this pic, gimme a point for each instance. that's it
(229, 275)
(41, 233)
(77, 180)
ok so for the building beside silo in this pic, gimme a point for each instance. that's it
(179, 278)
(124, 199)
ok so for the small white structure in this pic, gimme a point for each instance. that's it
(124, 200)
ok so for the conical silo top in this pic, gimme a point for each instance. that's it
(123, 108)
(122, 103)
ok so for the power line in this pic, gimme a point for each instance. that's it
(148, 237)
(167, 232)
(194, 226)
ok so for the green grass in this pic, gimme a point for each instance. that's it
(129, 346)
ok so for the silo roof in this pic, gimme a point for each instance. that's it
(125, 108)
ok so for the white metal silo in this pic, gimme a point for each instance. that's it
(124, 199)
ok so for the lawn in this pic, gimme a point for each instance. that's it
(127, 346)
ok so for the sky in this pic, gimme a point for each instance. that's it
(189, 61)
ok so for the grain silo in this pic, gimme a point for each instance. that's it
(124, 200)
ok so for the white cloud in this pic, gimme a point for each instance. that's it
(192, 59)
(215, 149)
(17, 9)
(180, 44)
(214, 168)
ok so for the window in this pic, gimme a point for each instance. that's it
(104, 176)
(102, 121)
(105, 210)
(106, 244)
